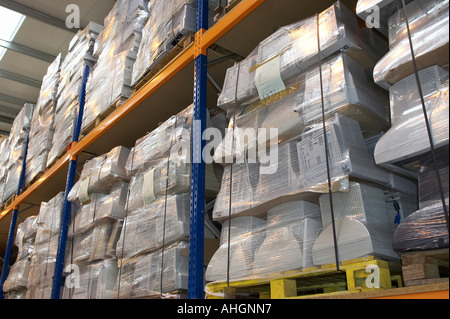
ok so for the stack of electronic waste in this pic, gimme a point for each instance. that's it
(405, 147)
(99, 198)
(170, 21)
(278, 88)
(42, 124)
(152, 248)
(71, 74)
(43, 257)
(15, 286)
(16, 150)
(4, 161)
(115, 50)
(428, 23)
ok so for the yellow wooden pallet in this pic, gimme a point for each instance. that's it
(354, 276)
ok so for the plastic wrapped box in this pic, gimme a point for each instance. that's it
(49, 218)
(42, 125)
(408, 136)
(291, 50)
(100, 174)
(161, 272)
(71, 75)
(426, 228)
(243, 236)
(429, 21)
(291, 231)
(348, 90)
(362, 226)
(18, 276)
(97, 243)
(116, 51)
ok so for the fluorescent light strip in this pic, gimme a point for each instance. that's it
(10, 23)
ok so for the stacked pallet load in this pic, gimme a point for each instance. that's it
(71, 75)
(4, 157)
(115, 50)
(153, 246)
(406, 146)
(43, 257)
(99, 198)
(170, 22)
(42, 124)
(281, 191)
(15, 286)
(16, 150)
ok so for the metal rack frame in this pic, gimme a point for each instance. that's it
(197, 53)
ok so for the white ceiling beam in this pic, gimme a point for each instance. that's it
(13, 99)
(20, 79)
(27, 51)
(32, 13)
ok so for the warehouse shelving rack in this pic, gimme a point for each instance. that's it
(168, 92)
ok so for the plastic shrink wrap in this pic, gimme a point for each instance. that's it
(348, 90)
(115, 50)
(169, 22)
(258, 248)
(72, 69)
(364, 224)
(43, 258)
(42, 125)
(300, 171)
(291, 50)
(101, 173)
(100, 198)
(377, 12)
(16, 283)
(14, 151)
(429, 25)
(408, 136)
(427, 228)
(156, 274)
(158, 210)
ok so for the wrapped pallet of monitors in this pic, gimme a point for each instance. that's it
(42, 124)
(276, 186)
(428, 22)
(71, 75)
(415, 97)
(153, 246)
(43, 257)
(116, 48)
(16, 150)
(170, 22)
(99, 198)
(4, 160)
(15, 286)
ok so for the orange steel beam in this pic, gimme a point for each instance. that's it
(440, 294)
(232, 18)
(36, 185)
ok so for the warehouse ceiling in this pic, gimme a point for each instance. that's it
(41, 36)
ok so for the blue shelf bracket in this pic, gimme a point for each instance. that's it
(67, 208)
(196, 238)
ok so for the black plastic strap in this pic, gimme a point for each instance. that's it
(330, 192)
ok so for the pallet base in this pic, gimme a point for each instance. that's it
(425, 267)
(178, 49)
(354, 276)
(99, 118)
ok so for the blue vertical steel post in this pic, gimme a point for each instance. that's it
(12, 226)
(196, 239)
(67, 208)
